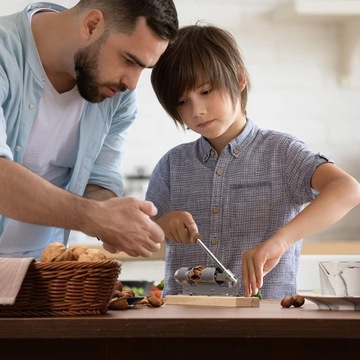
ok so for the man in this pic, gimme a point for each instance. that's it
(67, 80)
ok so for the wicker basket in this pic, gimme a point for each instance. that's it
(65, 288)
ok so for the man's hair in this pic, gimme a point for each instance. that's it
(121, 15)
(201, 54)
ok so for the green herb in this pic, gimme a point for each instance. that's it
(160, 285)
(259, 295)
(139, 291)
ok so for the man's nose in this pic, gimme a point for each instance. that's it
(130, 80)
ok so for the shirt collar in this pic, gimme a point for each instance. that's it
(235, 146)
(45, 5)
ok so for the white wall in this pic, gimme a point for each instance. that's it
(294, 70)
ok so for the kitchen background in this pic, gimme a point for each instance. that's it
(303, 57)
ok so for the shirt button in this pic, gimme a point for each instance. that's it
(215, 209)
(18, 148)
(236, 151)
(219, 172)
(212, 152)
(43, 78)
(32, 106)
(214, 241)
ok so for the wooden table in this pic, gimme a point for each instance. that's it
(187, 332)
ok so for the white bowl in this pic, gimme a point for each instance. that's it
(340, 278)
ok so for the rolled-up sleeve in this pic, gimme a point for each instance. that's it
(106, 171)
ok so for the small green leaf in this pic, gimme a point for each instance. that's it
(160, 285)
(259, 295)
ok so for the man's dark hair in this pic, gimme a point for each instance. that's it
(121, 15)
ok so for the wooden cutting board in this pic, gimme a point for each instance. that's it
(224, 301)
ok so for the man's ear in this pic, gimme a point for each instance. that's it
(93, 24)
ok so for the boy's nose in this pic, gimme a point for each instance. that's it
(198, 110)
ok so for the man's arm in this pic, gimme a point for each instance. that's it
(123, 224)
(97, 192)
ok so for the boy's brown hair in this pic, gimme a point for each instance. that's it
(201, 54)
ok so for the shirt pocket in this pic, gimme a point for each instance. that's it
(249, 210)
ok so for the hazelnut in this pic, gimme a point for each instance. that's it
(298, 300)
(118, 285)
(118, 303)
(286, 302)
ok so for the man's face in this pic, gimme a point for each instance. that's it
(114, 62)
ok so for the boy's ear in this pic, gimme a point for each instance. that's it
(243, 84)
(243, 79)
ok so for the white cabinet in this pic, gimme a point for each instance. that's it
(346, 13)
(321, 8)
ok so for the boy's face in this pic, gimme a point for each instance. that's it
(211, 114)
(114, 63)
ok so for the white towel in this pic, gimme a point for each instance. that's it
(12, 274)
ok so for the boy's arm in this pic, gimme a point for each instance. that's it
(338, 193)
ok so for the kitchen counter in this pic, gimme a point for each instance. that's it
(268, 331)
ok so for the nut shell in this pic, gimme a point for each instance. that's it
(56, 251)
(77, 250)
(92, 255)
(118, 303)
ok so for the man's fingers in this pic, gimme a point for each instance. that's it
(148, 208)
(110, 248)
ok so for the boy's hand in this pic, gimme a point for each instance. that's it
(179, 226)
(258, 261)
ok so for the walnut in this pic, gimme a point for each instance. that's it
(92, 255)
(195, 273)
(77, 250)
(56, 251)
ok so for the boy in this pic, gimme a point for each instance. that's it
(243, 188)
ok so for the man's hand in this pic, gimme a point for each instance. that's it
(124, 224)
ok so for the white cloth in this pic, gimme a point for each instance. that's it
(12, 274)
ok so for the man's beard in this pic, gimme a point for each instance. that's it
(86, 67)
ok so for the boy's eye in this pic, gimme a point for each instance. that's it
(206, 91)
(180, 102)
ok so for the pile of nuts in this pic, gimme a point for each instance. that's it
(57, 251)
(120, 299)
(293, 300)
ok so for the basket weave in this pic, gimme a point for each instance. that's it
(65, 288)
